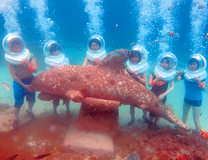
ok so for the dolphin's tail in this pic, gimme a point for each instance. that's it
(172, 118)
(164, 111)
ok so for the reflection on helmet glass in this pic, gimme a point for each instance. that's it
(193, 64)
(165, 63)
(16, 46)
(54, 49)
(94, 44)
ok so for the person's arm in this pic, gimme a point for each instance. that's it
(85, 61)
(31, 66)
(152, 82)
(67, 62)
(178, 74)
(13, 75)
(98, 61)
(126, 73)
(141, 79)
(202, 84)
(160, 97)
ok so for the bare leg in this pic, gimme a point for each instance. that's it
(30, 106)
(132, 113)
(29, 111)
(186, 109)
(151, 118)
(156, 120)
(196, 117)
(66, 102)
(145, 114)
(16, 112)
(151, 121)
(55, 105)
(16, 119)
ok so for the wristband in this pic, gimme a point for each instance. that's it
(153, 82)
(201, 85)
(31, 68)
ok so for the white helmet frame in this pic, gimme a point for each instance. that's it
(200, 72)
(101, 53)
(142, 65)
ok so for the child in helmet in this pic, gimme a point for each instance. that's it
(194, 80)
(159, 88)
(133, 69)
(95, 53)
(21, 68)
(55, 58)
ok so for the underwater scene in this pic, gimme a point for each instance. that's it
(101, 79)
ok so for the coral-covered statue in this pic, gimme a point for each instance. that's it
(103, 84)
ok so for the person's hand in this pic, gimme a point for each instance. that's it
(26, 63)
(61, 65)
(197, 79)
(28, 87)
(158, 77)
(179, 72)
(52, 65)
(126, 73)
(97, 61)
(160, 97)
(135, 73)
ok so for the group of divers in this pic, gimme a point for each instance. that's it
(22, 65)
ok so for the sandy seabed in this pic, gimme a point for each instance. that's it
(46, 134)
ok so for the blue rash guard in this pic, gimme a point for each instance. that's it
(193, 93)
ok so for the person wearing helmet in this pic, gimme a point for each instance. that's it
(54, 58)
(136, 67)
(160, 86)
(194, 80)
(21, 65)
(96, 50)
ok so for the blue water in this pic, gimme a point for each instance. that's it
(120, 24)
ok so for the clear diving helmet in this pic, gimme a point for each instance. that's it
(93, 52)
(142, 65)
(168, 73)
(201, 70)
(53, 54)
(15, 48)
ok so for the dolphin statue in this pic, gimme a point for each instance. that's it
(106, 81)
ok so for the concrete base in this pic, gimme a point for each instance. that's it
(89, 143)
(98, 121)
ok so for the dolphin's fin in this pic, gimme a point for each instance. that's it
(115, 60)
(97, 104)
(74, 95)
(45, 96)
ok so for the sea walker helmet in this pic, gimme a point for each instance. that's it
(201, 71)
(101, 53)
(50, 59)
(170, 73)
(142, 65)
(15, 48)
